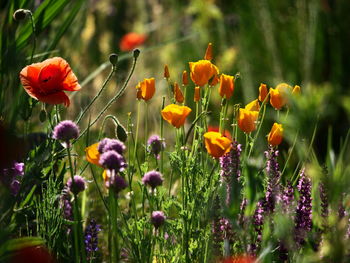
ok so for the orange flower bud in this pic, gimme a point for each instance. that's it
(146, 89)
(247, 120)
(227, 86)
(166, 72)
(296, 90)
(92, 154)
(202, 71)
(209, 52)
(262, 92)
(276, 134)
(175, 114)
(184, 78)
(254, 105)
(216, 144)
(197, 94)
(179, 97)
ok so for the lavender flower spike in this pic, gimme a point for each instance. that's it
(303, 217)
(91, 238)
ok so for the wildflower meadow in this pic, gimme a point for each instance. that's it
(175, 131)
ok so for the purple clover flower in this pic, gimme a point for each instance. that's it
(155, 145)
(113, 161)
(272, 195)
(303, 217)
(108, 144)
(65, 131)
(118, 183)
(153, 179)
(157, 218)
(78, 186)
(11, 177)
(91, 237)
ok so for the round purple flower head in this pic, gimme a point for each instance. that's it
(14, 187)
(65, 131)
(118, 183)
(155, 145)
(153, 179)
(113, 161)
(108, 144)
(78, 186)
(157, 218)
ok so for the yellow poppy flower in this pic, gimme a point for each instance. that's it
(202, 71)
(175, 114)
(227, 86)
(247, 120)
(276, 134)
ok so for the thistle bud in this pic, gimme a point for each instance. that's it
(166, 72)
(113, 58)
(136, 53)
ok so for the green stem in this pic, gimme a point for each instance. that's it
(117, 96)
(104, 85)
(162, 137)
(137, 130)
(34, 35)
(258, 131)
(146, 129)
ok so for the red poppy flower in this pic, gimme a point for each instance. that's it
(32, 255)
(46, 81)
(131, 41)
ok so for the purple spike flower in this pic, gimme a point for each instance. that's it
(157, 218)
(272, 195)
(288, 197)
(324, 200)
(155, 145)
(230, 168)
(78, 186)
(91, 237)
(303, 217)
(113, 161)
(153, 179)
(108, 144)
(66, 131)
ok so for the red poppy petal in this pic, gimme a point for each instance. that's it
(54, 98)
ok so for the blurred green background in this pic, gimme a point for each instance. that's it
(301, 42)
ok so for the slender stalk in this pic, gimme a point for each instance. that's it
(137, 129)
(162, 138)
(258, 130)
(146, 129)
(98, 188)
(34, 35)
(116, 96)
(104, 85)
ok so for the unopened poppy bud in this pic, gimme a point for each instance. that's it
(262, 92)
(20, 14)
(184, 78)
(166, 72)
(209, 52)
(197, 94)
(121, 133)
(136, 53)
(179, 97)
(113, 58)
(296, 90)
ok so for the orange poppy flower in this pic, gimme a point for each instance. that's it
(184, 78)
(179, 97)
(262, 92)
(279, 95)
(276, 134)
(146, 89)
(209, 52)
(214, 80)
(254, 105)
(247, 119)
(131, 41)
(175, 114)
(202, 71)
(47, 80)
(227, 86)
(197, 94)
(226, 133)
(92, 154)
(216, 144)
